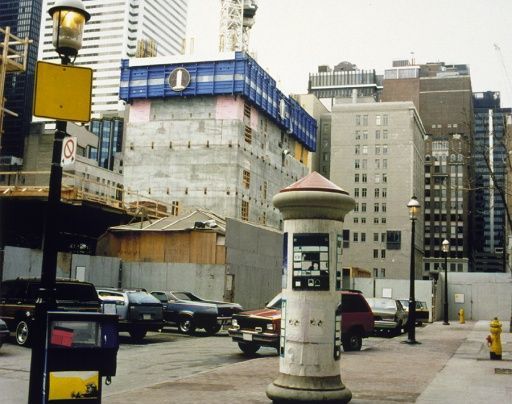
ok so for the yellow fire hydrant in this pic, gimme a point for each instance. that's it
(494, 340)
(461, 316)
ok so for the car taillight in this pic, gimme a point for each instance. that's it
(270, 327)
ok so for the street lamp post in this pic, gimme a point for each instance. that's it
(446, 248)
(69, 17)
(414, 210)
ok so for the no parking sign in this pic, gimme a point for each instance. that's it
(68, 154)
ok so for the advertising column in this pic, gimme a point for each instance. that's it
(313, 210)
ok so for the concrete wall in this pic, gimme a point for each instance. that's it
(254, 258)
(483, 296)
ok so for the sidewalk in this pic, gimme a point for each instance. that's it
(450, 365)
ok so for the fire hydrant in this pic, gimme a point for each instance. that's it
(461, 316)
(494, 340)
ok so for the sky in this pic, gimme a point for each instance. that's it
(291, 38)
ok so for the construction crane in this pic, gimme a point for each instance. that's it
(505, 71)
(236, 20)
(13, 59)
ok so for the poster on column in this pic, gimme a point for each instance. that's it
(310, 261)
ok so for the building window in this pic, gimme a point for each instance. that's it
(375, 253)
(375, 272)
(175, 208)
(246, 179)
(356, 164)
(356, 177)
(383, 207)
(384, 149)
(265, 189)
(383, 272)
(384, 164)
(363, 237)
(376, 237)
(384, 178)
(245, 210)
(385, 134)
(383, 253)
(346, 238)
(358, 134)
(377, 120)
(377, 164)
(365, 149)
(363, 220)
(365, 135)
(248, 134)
(356, 207)
(365, 120)
(364, 178)
(377, 134)
(247, 110)
(383, 237)
(356, 220)
(363, 207)
(356, 192)
(385, 120)
(383, 220)
(357, 149)
(363, 192)
(377, 191)
(377, 149)
(377, 178)
(355, 236)
(384, 192)
(393, 239)
(358, 120)
(375, 220)
(376, 207)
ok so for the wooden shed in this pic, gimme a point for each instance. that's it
(197, 237)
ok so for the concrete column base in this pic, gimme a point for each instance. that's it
(303, 389)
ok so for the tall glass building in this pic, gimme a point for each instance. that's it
(488, 206)
(110, 140)
(114, 32)
(24, 19)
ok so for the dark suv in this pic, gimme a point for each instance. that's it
(256, 328)
(18, 298)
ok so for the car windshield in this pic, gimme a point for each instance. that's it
(75, 292)
(186, 296)
(142, 297)
(421, 305)
(382, 303)
(275, 303)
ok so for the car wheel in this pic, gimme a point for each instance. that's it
(138, 335)
(352, 342)
(186, 325)
(23, 333)
(248, 348)
(213, 329)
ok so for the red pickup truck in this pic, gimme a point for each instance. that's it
(256, 328)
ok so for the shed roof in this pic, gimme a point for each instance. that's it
(202, 219)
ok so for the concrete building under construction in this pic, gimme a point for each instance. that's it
(212, 133)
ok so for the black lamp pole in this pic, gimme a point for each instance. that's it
(39, 380)
(414, 208)
(446, 248)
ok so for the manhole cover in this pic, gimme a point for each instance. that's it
(502, 371)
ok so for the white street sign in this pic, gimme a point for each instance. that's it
(68, 154)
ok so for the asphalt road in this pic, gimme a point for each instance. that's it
(165, 356)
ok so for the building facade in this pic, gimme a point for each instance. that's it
(213, 134)
(377, 155)
(114, 32)
(490, 164)
(442, 95)
(110, 140)
(24, 19)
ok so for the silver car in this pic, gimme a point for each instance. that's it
(389, 314)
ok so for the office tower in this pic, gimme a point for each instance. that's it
(490, 162)
(118, 30)
(24, 19)
(443, 96)
(377, 155)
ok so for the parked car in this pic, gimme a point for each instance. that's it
(422, 312)
(4, 332)
(389, 314)
(18, 300)
(138, 311)
(190, 312)
(256, 328)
